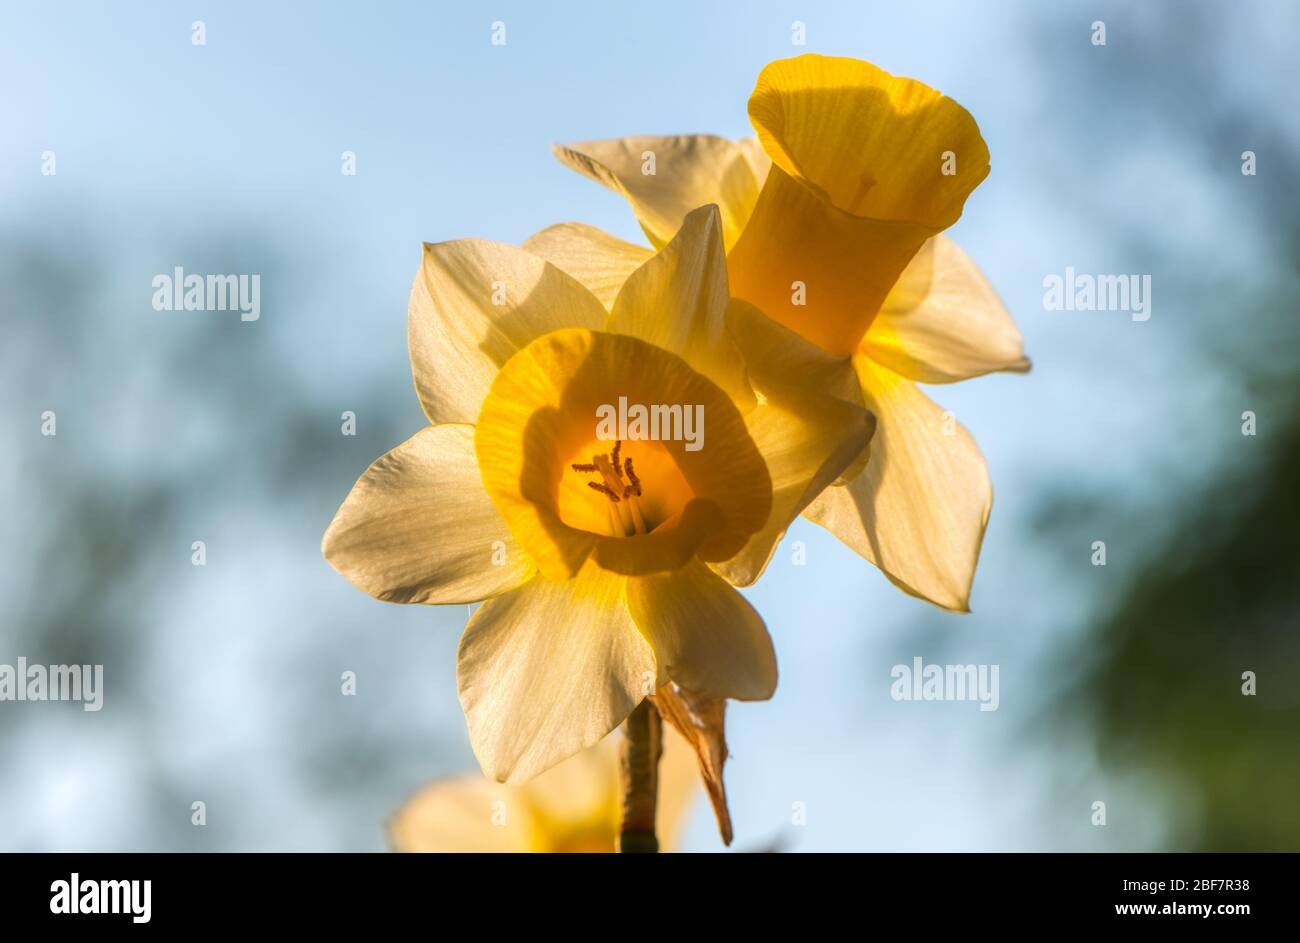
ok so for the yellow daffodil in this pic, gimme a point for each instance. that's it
(831, 221)
(599, 560)
(572, 807)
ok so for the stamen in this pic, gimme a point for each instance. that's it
(638, 521)
(624, 510)
(616, 528)
(631, 476)
(603, 489)
(612, 479)
(626, 523)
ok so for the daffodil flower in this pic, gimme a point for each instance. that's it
(831, 221)
(599, 561)
(572, 807)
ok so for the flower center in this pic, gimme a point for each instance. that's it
(621, 486)
(627, 491)
(568, 491)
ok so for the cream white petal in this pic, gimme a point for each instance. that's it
(707, 636)
(943, 321)
(919, 508)
(473, 304)
(548, 670)
(665, 178)
(418, 526)
(678, 301)
(600, 261)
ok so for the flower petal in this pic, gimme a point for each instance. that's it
(688, 171)
(548, 670)
(811, 427)
(808, 441)
(775, 355)
(419, 527)
(473, 304)
(600, 261)
(707, 636)
(573, 806)
(678, 301)
(943, 322)
(467, 814)
(919, 509)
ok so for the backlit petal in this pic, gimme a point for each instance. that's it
(678, 301)
(707, 636)
(665, 178)
(943, 322)
(600, 261)
(548, 670)
(808, 440)
(919, 509)
(467, 814)
(473, 304)
(418, 526)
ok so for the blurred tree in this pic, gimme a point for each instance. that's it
(1215, 592)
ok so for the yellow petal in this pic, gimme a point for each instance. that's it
(873, 144)
(943, 322)
(688, 171)
(775, 356)
(578, 803)
(600, 261)
(548, 670)
(707, 636)
(858, 185)
(418, 526)
(541, 417)
(808, 441)
(474, 303)
(919, 509)
(573, 806)
(467, 814)
(678, 301)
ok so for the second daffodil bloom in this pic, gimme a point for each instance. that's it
(572, 807)
(832, 222)
(599, 558)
